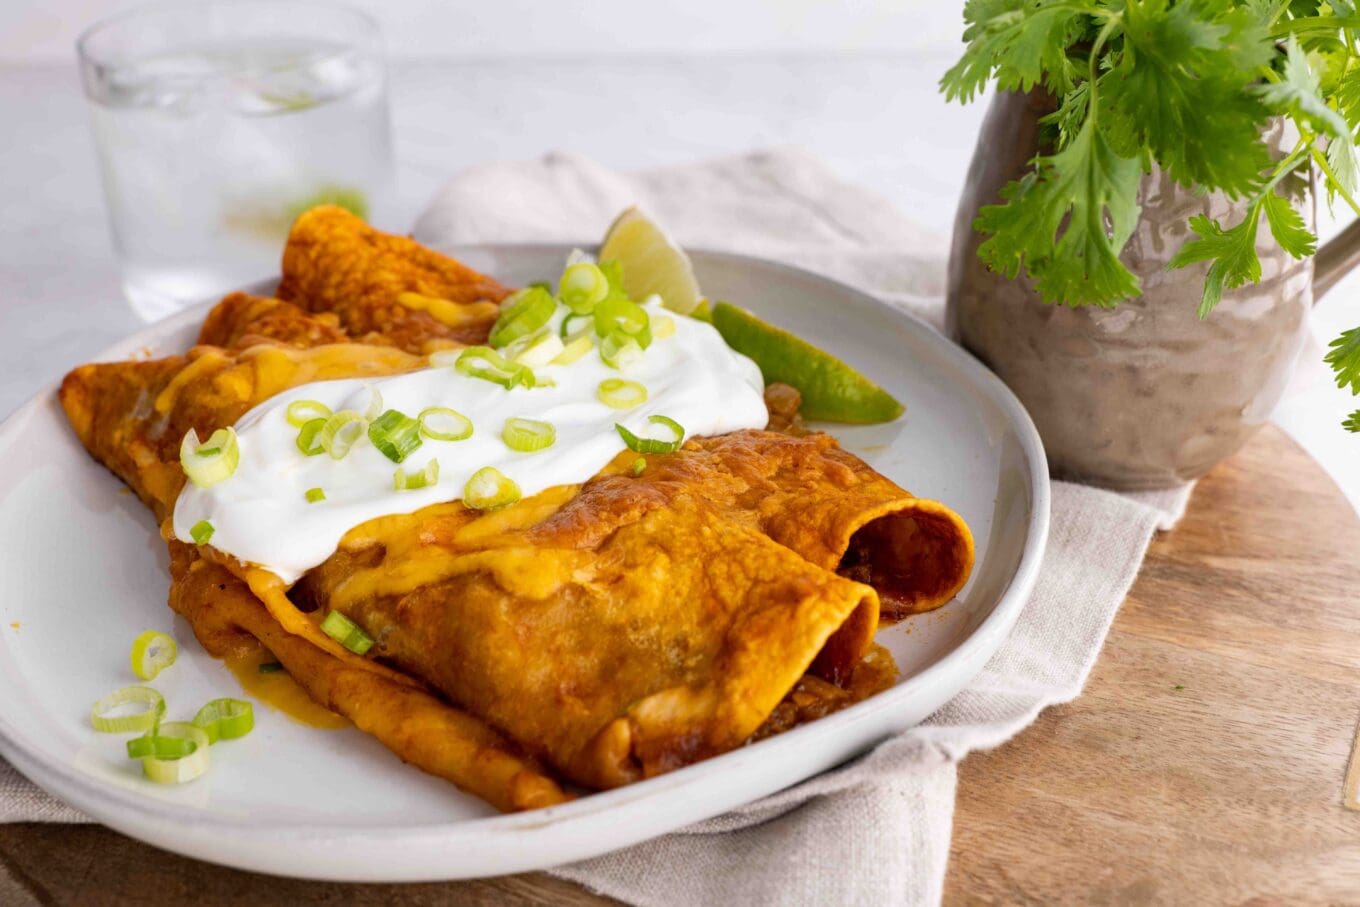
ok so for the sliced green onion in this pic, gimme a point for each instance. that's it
(212, 461)
(654, 445)
(201, 531)
(638, 466)
(488, 489)
(143, 720)
(574, 350)
(582, 287)
(271, 667)
(485, 363)
(375, 403)
(340, 432)
(574, 326)
(541, 284)
(621, 394)
(346, 632)
(152, 652)
(300, 412)
(613, 271)
(619, 351)
(439, 423)
(528, 435)
(663, 326)
(309, 437)
(395, 434)
(511, 350)
(225, 719)
(619, 314)
(528, 310)
(167, 770)
(152, 744)
(315, 494)
(536, 349)
(409, 481)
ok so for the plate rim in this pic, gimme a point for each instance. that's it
(116, 806)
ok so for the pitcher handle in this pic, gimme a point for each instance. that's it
(1335, 259)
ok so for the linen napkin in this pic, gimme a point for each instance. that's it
(877, 829)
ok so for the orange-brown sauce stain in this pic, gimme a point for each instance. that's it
(279, 690)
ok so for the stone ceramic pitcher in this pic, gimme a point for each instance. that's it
(1144, 395)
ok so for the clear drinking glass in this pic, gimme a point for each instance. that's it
(217, 122)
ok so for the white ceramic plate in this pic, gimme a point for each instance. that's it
(87, 571)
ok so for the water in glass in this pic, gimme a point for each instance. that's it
(209, 153)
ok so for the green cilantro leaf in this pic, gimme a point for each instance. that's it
(1341, 154)
(1287, 226)
(1341, 158)
(1352, 422)
(1071, 113)
(1232, 253)
(1022, 43)
(1066, 222)
(1248, 38)
(1329, 60)
(1298, 94)
(1343, 355)
(1179, 88)
(1348, 97)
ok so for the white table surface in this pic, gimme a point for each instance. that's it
(876, 118)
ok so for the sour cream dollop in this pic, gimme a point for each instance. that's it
(261, 515)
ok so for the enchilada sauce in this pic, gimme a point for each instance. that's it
(278, 690)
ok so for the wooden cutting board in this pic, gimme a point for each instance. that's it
(1203, 764)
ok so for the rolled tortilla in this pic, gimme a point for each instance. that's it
(423, 730)
(336, 263)
(637, 624)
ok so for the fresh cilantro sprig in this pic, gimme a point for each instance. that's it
(1233, 251)
(1188, 86)
(1343, 355)
(1089, 190)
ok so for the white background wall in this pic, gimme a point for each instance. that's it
(44, 30)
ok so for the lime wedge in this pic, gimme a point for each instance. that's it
(832, 391)
(652, 262)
